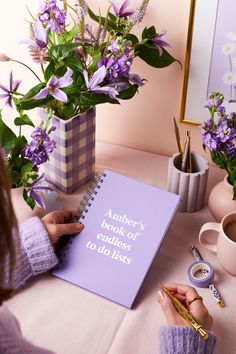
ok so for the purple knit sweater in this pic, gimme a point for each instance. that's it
(184, 340)
(35, 256)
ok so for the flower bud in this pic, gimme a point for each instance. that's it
(4, 57)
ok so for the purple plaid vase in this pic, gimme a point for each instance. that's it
(72, 163)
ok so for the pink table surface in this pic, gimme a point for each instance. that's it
(69, 320)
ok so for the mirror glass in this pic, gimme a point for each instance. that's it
(210, 62)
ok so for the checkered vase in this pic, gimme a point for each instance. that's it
(72, 163)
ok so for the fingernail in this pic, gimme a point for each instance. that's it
(80, 226)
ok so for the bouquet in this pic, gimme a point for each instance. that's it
(84, 59)
(219, 137)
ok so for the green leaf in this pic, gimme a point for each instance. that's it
(68, 111)
(20, 143)
(234, 190)
(7, 137)
(149, 33)
(112, 17)
(17, 166)
(61, 51)
(131, 37)
(150, 54)
(32, 92)
(129, 93)
(49, 71)
(26, 168)
(61, 69)
(100, 19)
(219, 159)
(69, 36)
(29, 200)
(93, 67)
(32, 103)
(74, 63)
(23, 120)
(91, 99)
(72, 89)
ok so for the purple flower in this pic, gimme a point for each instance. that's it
(136, 79)
(38, 150)
(210, 141)
(36, 186)
(118, 60)
(38, 54)
(41, 34)
(96, 79)
(214, 104)
(115, 67)
(229, 148)
(121, 10)
(52, 16)
(38, 44)
(139, 14)
(159, 42)
(13, 86)
(53, 87)
(223, 131)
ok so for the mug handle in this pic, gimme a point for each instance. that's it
(209, 226)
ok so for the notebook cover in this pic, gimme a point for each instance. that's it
(124, 227)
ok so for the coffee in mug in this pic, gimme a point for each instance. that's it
(230, 230)
(225, 245)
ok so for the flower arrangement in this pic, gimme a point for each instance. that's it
(219, 137)
(84, 59)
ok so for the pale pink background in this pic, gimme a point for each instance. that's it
(146, 121)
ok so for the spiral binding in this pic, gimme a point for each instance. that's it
(81, 211)
(89, 196)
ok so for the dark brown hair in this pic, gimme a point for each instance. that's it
(8, 225)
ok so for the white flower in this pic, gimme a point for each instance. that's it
(229, 78)
(228, 48)
(231, 35)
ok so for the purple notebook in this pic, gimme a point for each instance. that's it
(125, 223)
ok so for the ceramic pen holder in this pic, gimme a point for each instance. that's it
(191, 186)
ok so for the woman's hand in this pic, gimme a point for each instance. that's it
(190, 299)
(58, 223)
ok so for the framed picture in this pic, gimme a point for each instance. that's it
(210, 62)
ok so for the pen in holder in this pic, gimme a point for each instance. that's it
(191, 186)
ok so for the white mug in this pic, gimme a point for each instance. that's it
(225, 246)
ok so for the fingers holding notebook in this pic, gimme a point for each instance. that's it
(58, 223)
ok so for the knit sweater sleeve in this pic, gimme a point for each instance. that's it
(35, 254)
(184, 340)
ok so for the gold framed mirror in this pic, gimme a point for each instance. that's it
(210, 61)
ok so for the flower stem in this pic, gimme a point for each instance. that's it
(19, 62)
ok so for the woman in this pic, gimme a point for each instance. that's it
(24, 252)
(29, 251)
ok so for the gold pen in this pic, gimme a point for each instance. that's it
(183, 311)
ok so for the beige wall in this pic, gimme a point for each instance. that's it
(146, 121)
